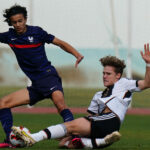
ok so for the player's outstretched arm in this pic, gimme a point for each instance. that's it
(143, 84)
(68, 48)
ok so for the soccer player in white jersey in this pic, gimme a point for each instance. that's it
(107, 109)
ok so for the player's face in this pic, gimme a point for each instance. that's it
(18, 21)
(110, 76)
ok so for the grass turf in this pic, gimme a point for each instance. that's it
(135, 131)
(82, 97)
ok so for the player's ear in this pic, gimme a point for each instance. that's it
(25, 20)
(118, 76)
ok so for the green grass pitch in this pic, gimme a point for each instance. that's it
(135, 131)
(82, 97)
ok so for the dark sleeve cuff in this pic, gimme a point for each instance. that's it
(91, 112)
(137, 83)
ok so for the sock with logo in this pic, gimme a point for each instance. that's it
(66, 115)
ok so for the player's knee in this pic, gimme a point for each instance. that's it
(3, 103)
(71, 129)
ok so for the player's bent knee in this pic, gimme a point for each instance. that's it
(71, 128)
(4, 104)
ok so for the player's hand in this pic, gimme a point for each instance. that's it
(63, 142)
(79, 59)
(146, 54)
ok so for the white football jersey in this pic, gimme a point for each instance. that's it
(117, 100)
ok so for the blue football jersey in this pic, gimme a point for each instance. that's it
(29, 49)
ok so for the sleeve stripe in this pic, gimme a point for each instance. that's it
(89, 111)
(137, 83)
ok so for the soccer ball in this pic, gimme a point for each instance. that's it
(17, 141)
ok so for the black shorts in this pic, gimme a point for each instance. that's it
(103, 125)
(43, 88)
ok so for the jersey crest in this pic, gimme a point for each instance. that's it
(30, 38)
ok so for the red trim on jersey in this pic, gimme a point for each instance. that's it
(25, 46)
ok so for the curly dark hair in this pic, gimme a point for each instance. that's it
(118, 64)
(15, 9)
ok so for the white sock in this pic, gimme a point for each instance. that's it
(57, 131)
(100, 142)
(88, 143)
(39, 136)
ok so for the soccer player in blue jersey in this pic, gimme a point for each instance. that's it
(28, 44)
